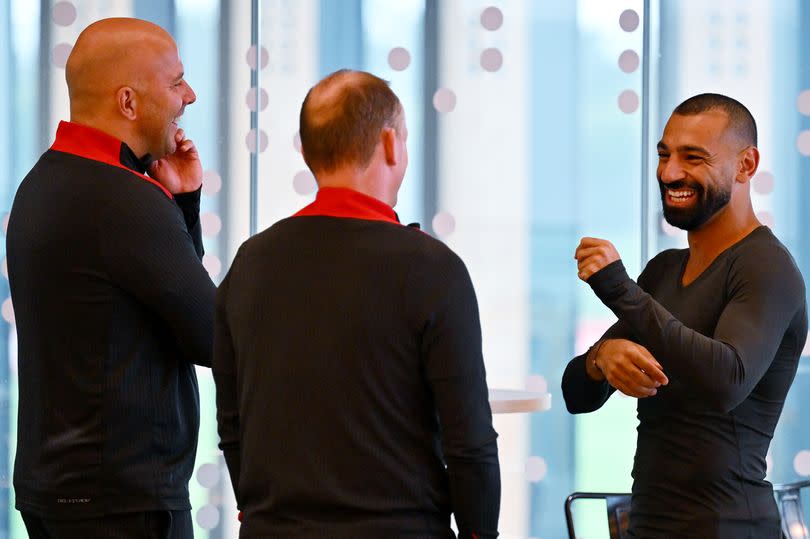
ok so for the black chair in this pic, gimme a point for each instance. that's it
(789, 501)
(618, 512)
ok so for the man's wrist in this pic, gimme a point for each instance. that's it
(591, 367)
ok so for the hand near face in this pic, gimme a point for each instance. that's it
(629, 367)
(592, 255)
(180, 171)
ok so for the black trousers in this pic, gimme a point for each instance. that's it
(144, 525)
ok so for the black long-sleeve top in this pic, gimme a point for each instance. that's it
(349, 371)
(729, 343)
(113, 308)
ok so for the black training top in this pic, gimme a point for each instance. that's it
(112, 309)
(348, 366)
(729, 343)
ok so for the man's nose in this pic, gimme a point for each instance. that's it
(191, 97)
(670, 170)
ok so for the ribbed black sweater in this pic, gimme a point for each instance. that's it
(113, 308)
(349, 371)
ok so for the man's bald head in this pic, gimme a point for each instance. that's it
(342, 118)
(109, 54)
(125, 78)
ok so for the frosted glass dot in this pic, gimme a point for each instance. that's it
(801, 462)
(211, 223)
(797, 530)
(4, 269)
(537, 383)
(5, 223)
(763, 183)
(669, 230)
(766, 218)
(213, 265)
(297, 142)
(208, 475)
(444, 224)
(208, 517)
(628, 20)
(629, 61)
(212, 182)
(60, 53)
(252, 60)
(803, 103)
(803, 142)
(64, 13)
(491, 59)
(628, 101)
(250, 140)
(491, 18)
(251, 99)
(399, 58)
(444, 100)
(7, 310)
(536, 469)
(304, 183)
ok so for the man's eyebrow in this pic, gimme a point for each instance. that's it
(689, 148)
(180, 76)
(662, 146)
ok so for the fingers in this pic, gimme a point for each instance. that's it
(591, 242)
(589, 269)
(593, 254)
(651, 369)
(185, 146)
(631, 369)
(624, 383)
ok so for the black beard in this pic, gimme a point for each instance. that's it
(709, 202)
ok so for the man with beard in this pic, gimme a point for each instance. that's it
(113, 306)
(708, 339)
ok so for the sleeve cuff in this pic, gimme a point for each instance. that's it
(189, 201)
(609, 282)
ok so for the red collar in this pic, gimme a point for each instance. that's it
(342, 202)
(90, 143)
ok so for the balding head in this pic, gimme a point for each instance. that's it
(117, 75)
(342, 118)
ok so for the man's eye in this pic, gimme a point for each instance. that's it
(662, 155)
(694, 158)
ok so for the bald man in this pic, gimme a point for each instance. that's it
(113, 306)
(359, 406)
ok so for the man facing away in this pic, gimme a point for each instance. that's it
(113, 307)
(347, 352)
(708, 339)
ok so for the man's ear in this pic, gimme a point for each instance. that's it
(388, 138)
(748, 164)
(127, 102)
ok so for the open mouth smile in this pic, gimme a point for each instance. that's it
(680, 197)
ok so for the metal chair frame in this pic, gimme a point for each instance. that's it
(618, 511)
(789, 501)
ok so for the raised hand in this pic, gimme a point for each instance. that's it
(592, 255)
(627, 366)
(180, 171)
